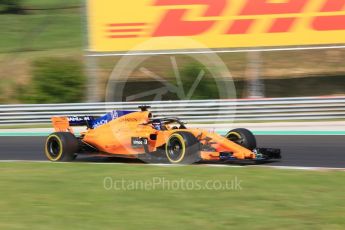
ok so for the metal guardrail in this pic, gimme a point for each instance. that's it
(196, 111)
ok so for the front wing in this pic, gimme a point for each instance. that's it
(262, 155)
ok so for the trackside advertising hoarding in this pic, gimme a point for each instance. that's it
(120, 26)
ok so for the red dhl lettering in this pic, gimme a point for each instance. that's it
(173, 22)
(324, 23)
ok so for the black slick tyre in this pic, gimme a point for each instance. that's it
(61, 146)
(182, 148)
(243, 137)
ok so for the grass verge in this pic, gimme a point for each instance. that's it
(72, 196)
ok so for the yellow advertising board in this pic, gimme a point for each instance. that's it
(120, 26)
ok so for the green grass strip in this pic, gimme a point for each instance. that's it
(74, 196)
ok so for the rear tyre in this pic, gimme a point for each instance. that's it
(243, 137)
(182, 148)
(61, 146)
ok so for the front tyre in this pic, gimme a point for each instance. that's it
(243, 137)
(182, 148)
(61, 146)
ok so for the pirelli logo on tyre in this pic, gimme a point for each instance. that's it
(119, 26)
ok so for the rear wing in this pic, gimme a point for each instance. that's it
(65, 124)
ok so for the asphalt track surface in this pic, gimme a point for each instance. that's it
(304, 151)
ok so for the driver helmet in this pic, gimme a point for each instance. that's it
(157, 124)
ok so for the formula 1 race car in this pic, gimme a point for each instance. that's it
(136, 134)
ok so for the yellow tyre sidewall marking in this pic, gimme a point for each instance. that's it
(233, 133)
(178, 136)
(47, 150)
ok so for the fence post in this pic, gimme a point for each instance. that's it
(93, 80)
(255, 86)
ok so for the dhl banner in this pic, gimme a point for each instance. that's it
(120, 26)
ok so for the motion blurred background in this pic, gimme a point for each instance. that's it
(42, 60)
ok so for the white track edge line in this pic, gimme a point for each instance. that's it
(170, 165)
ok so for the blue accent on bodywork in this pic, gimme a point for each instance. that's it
(79, 120)
(94, 123)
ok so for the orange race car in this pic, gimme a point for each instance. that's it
(136, 134)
